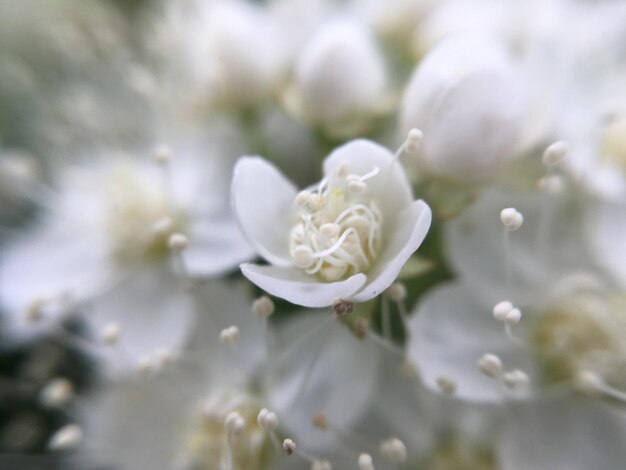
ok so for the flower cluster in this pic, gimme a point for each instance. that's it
(290, 234)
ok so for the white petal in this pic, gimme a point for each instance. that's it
(607, 231)
(221, 304)
(150, 414)
(451, 330)
(410, 229)
(51, 263)
(216, 246)
(341, 383)
(566, 433)
(362, 157)
(297, 287)
(152, 310)
(548, 245)
(263, 201)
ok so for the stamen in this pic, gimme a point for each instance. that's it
(229, 335)
(57, 392)
(394, 450)
(592, 383)
(447, 385)
(490, 365)
(111, 333)
(555, 153)
(366, 462)
(323, 464)
(501, 309)
(511, 218)
(66, 438)
(337, 231)
(263, 307)
(515, 379)
(289, 446)
(268, 421)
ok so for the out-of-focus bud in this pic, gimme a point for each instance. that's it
(339, 74)
(468, 99)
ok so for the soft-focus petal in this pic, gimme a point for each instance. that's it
(606, 230)
(341, 383)
(564, 433)
(451, 330)
(263, 202)
(362, 157)
(152, 310)
(549, 244)
(410, 230)
(295, 286)
(216, 246)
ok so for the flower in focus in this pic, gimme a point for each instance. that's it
(344, 238)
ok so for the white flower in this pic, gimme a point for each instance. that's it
(467, 98)
(102, 245)
(180, 413)
(231, 49)
(566, 324)
(340, 74)
(345, 238)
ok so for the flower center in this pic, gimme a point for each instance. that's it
(614, 143)
(207, 444)
(337, 232)
(582, 333)
(140, 217)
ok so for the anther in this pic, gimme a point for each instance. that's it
(163, 225)
(303, 198)
(511, 218)
(356, 186)
(320, 421)
(552, 184)
(554, 153)
(329, 230)
(289, 446)
(501, 310)
(162, 154)
(234, 423)
(303, 256)
(413, 141)
(263, 306)
(268, 421)
(68, 437)
(397, 292)
(513, 316)
(34, 313)
(365, 462)
(361, 327)
(318, 464)
(490, 365)
(146, 365)
(394, 450)
(447, 385)
(57, 392)
(111, 333)
(588, 382)
(177, 242)
(229, 335)
(343, 307)
(515, 379)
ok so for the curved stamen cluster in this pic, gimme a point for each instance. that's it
(337, 232)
